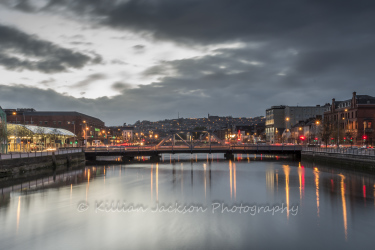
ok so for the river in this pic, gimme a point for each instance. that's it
(193, 202)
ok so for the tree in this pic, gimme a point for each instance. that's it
(326, 131)
(4, 133)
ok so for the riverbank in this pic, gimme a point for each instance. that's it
(13, 168)
(362, 163)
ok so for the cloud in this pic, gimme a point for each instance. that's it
(120, 86)
(116, 61)
(139, 48)
(88, 80)
(80, 43)
(21, 51)
(47, 82)
(296, 51)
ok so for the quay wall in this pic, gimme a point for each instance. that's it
(362, 163)
(20, 166)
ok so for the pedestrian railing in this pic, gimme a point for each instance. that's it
(15, 155)
(196, 148)
(342, 151)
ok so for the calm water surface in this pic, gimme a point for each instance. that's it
(184, 203)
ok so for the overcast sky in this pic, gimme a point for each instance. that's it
(130, 60)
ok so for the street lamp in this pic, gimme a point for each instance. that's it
(317, 122)
(85, 133)
(15, 113)
(338, 130)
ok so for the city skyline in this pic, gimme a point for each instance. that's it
(150, 60)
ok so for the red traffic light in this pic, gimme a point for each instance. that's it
(302, 138)
(364, 137)
(316, 138)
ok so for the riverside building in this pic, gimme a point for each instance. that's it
(354, 117)
(280, 119)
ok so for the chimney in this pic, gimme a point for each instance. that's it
(354, 99)
(333, 105)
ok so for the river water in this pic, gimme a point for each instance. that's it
(193, 202)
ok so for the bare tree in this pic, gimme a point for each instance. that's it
(326, 131)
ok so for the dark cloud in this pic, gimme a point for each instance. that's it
(24, 5)
(161, 69)
(40, 55)
(120, 86)
(216, 21)
(89, 79)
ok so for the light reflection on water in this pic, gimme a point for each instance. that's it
(334, 206)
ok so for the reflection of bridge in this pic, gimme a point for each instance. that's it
(128, 153)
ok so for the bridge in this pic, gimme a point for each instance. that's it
(154, 152)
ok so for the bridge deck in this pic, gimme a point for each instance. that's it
(153, 151)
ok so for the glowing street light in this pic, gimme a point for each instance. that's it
(85, 133)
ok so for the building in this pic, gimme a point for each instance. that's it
(75, 122)
(128, 134)
(354, 118)
(281, 118)
(304, 132)
(25, 138)
(275, 123)
(3, 132)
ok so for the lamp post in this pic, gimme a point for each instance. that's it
(15, 113)
(85, 133)
(317, 122)
(338, 130)
(74, 123)
(287, 126)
